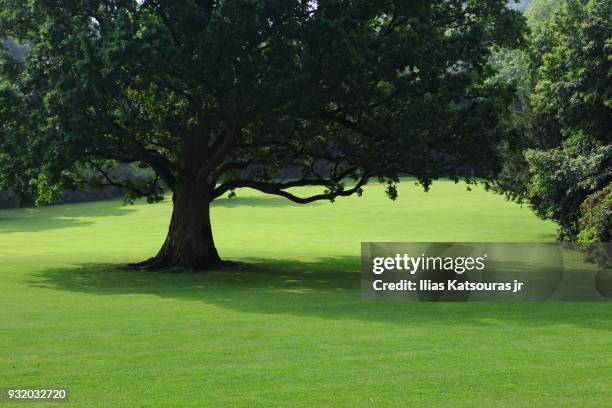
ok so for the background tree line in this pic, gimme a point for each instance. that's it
(560, 158)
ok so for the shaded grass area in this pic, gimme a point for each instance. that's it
(287, 328)
(297, 288)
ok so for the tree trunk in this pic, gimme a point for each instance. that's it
(189, 243)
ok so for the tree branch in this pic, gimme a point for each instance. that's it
(218, 154)
(279, 188)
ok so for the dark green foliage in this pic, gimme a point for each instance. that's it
(596, 216)
(562, 179)
(573, 82)
(338, 89)
(513, 71)
(562, 151)
(215, 96)
(596, 225)
(574, 88)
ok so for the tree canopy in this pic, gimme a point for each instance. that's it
(564, 118)
(214, 96)
(574, 89)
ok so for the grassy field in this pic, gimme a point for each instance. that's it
(289, 328)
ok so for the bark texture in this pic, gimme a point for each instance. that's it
(189, 243)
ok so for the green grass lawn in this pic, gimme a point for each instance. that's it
(289, 328)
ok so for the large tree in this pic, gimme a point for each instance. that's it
(217, 95)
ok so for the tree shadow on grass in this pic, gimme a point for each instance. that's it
(57, 217)
(327, 288)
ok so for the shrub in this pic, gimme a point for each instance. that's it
(596, 217)
(596, 225)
